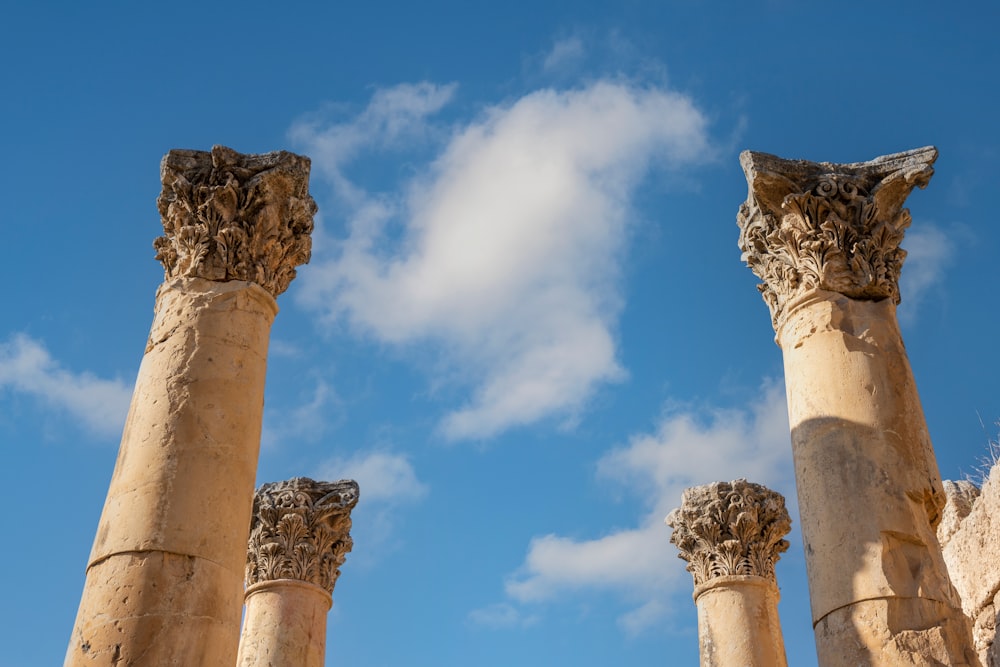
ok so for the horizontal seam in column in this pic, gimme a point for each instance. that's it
(152, 551)
(886, 597)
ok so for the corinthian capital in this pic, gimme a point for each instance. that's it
(229, 216)
(837, 227)
(725, 529)
(300, 530)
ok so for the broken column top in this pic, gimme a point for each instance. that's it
(820, 225)
(730, 528)
(230, 216)
(300, 529)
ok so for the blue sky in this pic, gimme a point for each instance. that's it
(525, 327)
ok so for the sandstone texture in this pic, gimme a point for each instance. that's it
(299, 538)
(731, 534)
(229, 216)
(894, 631)
(738, 623)
(971, 541)
(191, 437)
(868, 485)
(164, 581)
(825, 240)
(285, 625)
(168, 557)
(960, 497)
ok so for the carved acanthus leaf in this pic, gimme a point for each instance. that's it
(300, 530)
(728, 528)
(230, 216)
(837, 227)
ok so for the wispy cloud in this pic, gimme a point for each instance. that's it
(565, 53)
(643, 617)
(395, 117)
(283, 348)
(639, 564)
(307, 420)
(505, 253)
(502, 615)
(99, 405)
(387, 483)
(930, 250)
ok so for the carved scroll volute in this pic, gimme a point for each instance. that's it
(836, 227)
(229, 216)
(724, 529)
(301, 530)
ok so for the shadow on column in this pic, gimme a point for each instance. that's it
(879, 588)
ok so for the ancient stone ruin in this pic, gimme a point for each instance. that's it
(299, 538)
(731, 535)
(825, 240)
(165, 581)
(899, 563)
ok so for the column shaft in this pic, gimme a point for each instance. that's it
(285, 625)
(164, 582)
(738, 623)
(869, 488)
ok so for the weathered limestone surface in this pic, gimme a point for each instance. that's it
(738, 624)
(960, 497)
(821, 226)
(825, 240)
(285, 625)
(971, 540)
(299, 538)
(163, 584)
(731, 535)
(230, 216)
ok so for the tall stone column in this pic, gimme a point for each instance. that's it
(164, 581)
(825, 239)
(731, 534)
(299, 538)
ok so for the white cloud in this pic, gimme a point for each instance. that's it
(929, 252)
(706, 445)
(27, 367)
(624, 560)
(383, 477)
(639, 564)
(508, 253)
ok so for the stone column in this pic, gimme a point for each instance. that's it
(163, 584)
(825, 239)
(731, 534)
(299, 538)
